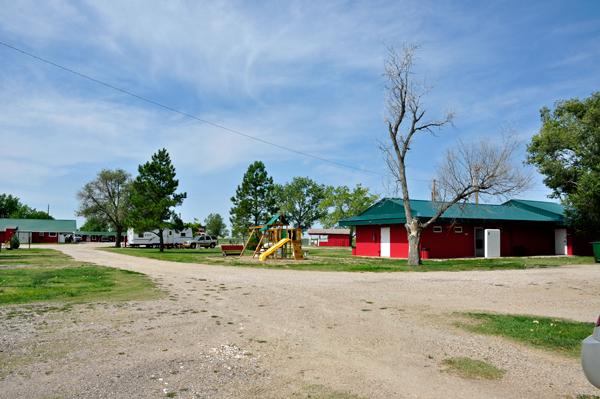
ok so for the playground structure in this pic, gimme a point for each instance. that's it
(275, 239)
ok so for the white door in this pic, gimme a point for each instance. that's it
(385, 242)
(23, 238)
(560, 241)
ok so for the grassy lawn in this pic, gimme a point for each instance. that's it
(341, 259)
(45, 275)
(557, 335)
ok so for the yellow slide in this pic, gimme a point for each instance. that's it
(264, 255)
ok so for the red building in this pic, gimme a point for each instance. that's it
(525, 228)
(36, 230)
(101, 236)
(331, 237)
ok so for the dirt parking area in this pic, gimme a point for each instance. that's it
(257, 333)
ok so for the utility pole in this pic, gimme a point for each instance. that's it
(433, 192)
(476, 180)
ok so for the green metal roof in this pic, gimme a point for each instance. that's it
(41, 225)
(550, 209)
(391, 211)
(98, 233)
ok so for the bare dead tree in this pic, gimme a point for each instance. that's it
(484, 168)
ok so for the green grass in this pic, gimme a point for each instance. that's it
(317, 391)
(341, 259)
(552, 334)
(471, 368)
(46, 275)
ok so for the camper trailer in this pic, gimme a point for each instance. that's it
(150, 239)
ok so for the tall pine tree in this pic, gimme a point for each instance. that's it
(254, 202)
(153, 197)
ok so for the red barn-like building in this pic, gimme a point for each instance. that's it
(331, 237)
(526, 228)
(38, 230)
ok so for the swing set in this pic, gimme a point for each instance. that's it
(275, 239)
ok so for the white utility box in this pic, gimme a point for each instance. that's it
(491, 243)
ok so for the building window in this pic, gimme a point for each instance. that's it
(324, 238)
(52, 234)
(93, 238)
(458, 229)
(41, 234)
(437, 229)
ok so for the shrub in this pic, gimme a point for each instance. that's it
(14, 242)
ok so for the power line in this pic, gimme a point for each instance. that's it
(188, 115)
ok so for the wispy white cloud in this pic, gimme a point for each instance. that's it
(301, 74)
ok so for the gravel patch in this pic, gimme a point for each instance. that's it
(250, 333)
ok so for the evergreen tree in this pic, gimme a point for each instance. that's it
(254, 202)
(153, 197)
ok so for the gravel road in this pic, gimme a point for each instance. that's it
(256, 333)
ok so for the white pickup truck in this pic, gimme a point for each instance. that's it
(201, 241)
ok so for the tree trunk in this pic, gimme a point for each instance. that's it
(414, 240)
(118, 240)
(161, 241)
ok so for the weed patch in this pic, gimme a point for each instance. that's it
(471, 368)
(552, 334)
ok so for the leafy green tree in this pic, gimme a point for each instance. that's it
(94, 224)
(195, 227)
(215, 226)
(300, 201)
(340, 203)
(11, 207)
(566, 151)
(254, 202)
(153, 197)
(25, 212)
(106, 200)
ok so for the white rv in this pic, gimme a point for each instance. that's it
(150, 239)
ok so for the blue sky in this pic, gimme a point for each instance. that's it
(301, 74)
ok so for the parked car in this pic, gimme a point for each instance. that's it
(202, 240)
(72, 238)
(590, 356)
(106, 239)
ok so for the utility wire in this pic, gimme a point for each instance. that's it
(192, 116)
